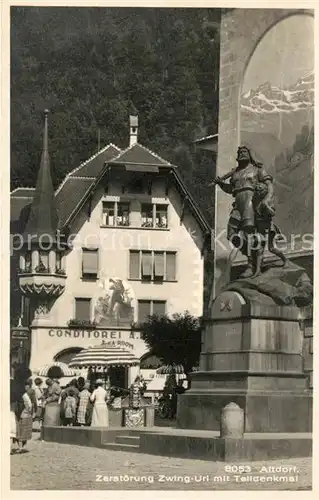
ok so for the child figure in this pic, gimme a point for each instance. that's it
(70, 408)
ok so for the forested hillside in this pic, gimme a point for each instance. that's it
(93, 66)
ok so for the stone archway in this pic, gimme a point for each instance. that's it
(66, 355)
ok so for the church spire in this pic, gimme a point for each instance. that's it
(43, 217)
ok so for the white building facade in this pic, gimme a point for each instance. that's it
(133, 245)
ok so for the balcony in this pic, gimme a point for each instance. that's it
(42, 281)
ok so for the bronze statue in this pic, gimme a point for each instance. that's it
(250, 224)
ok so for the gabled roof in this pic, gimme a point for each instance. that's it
(71, 190)
(136, 154)
(80, 183)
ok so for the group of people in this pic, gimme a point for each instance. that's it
(81, 403)
(26, 407)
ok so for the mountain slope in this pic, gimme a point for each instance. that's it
(277, 124)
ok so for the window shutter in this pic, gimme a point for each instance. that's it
(170, 266)
(83, 309)
(90, 262)
(147, 264)
(144, 310)
(159, 264)
(159, 307)
(134, 265)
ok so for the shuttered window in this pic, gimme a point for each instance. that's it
(159, 265)
(89, 263)
(147, 265)
(152, 265)
(149, 307)
(170, 266)
(144, 310)
(134, 265)
(159, 307)
(83, 309)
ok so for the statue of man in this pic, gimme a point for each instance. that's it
(250, 221)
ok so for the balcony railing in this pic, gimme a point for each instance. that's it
(41, 269)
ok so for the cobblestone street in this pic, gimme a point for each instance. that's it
(68, 467)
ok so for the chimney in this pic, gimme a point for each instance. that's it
(133, 129)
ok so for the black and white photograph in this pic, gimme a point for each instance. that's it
(161, 248)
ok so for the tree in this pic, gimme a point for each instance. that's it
(174, 340)
(91, 64)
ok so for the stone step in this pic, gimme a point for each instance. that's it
(133, 448)
(127, 439)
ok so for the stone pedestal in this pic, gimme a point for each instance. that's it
(251, 356)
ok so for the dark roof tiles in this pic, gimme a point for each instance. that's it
(16, 206)
(70, 196)
(140, 155)
(93, 166)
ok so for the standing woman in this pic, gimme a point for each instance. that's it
(100, 415)
(83, 404)
(39, 394)
(13, 404)
(24, 413)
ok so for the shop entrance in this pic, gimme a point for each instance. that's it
(118, 376)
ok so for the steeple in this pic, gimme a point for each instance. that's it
(43, 217)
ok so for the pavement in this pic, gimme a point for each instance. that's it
(48, 466)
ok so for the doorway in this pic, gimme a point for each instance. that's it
(118, 376)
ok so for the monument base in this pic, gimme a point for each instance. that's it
(264, 412)
(252, 356)
(203, 445)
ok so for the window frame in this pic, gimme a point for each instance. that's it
(88, 299)
(90, 276)
(115, 205)
(104, 213)
(151, 302)
(155, 207)
(153, 278)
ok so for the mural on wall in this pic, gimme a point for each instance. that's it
(277, 118)
(115, 306)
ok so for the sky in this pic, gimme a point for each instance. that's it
(285, 54)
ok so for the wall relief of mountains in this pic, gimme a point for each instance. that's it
(278, 125)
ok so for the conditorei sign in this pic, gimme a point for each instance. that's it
(117, 335)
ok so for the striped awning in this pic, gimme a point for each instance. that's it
(169, 369)
(67, 372)
(103, 356)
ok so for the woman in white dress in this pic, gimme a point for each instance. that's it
(99, 397)
(13, 405)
